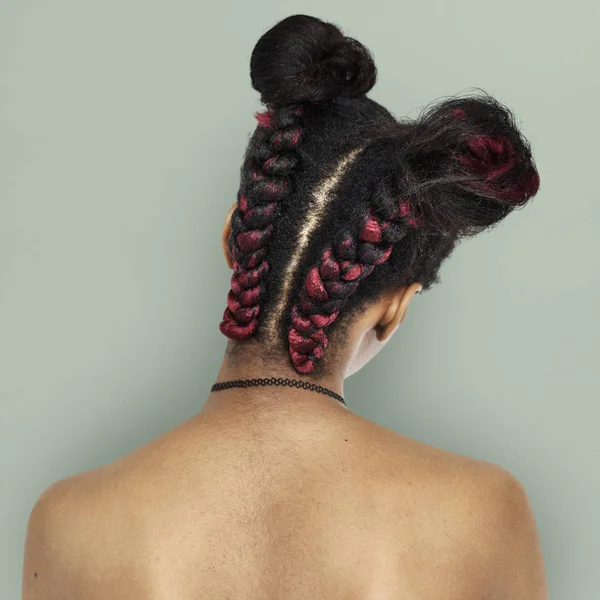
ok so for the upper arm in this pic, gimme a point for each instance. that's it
(49, 564)
(516, 562)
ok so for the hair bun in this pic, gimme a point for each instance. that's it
(303, 59)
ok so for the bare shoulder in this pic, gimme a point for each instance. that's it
(483, 511)
(48, 544)
(480, 483)
(507, 529)
(71, 531)
(513, 553)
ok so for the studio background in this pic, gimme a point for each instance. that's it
(122, 129)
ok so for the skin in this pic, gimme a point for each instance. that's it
(272, 493)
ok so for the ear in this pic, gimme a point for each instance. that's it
(395, 311)
(225, 237)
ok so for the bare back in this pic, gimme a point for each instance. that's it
(272, 504)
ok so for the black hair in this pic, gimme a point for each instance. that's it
(340, 201)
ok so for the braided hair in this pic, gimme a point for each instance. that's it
(340, 201)
(266, 182)
(346, 261)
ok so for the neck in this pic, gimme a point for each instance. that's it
(247, 365)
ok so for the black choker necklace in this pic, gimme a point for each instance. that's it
(297, 383)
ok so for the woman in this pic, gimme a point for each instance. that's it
(275, 490)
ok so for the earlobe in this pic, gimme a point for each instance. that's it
(225, 237)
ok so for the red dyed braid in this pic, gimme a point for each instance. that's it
(266, 181)
(341, 268)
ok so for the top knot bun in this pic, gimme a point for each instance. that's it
(303, 59)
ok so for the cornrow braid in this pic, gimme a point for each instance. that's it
(267, 179)
(339, 271)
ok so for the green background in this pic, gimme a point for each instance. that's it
(122, 128)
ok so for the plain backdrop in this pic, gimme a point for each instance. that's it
(122, 129)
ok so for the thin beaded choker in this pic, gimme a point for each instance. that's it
(297, 383)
